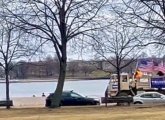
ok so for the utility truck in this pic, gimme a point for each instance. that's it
(129, 86)
(124, 95)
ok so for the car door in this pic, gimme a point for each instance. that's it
(66, 99)
(147, 98)
(77, 99)
(158, 98)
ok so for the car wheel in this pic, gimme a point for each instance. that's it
(92, 103)
(138, 102)
(97, 103)
(61, 104)
(48, 103)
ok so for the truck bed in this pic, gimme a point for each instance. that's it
(117, 99)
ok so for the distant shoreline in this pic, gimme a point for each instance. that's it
(49, 80)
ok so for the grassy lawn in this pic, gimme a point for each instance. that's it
(85, 113)
(99, 73)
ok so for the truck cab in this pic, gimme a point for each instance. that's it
(125, 84)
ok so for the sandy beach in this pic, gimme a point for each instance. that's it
(25, 102)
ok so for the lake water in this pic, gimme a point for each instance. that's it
(91, 88)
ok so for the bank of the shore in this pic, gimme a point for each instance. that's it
(50, 80)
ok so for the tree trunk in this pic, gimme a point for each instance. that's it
(58, 92)
(55, 102)
(85, 74)
(7, 89)
(118, 77)
(118, 71)
(72, 73)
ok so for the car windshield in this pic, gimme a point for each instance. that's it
(75, 95)
(67, 94)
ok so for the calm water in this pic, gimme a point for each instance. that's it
(92, 88)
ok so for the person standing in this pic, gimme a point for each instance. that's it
(43, 95)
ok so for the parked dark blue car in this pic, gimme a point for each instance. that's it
(70, 98)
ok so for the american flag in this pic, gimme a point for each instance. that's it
(145, 65)
(150, 65)
(160, 67)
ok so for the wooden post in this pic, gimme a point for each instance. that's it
(106, 96)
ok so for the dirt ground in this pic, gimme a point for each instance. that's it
(86, 113)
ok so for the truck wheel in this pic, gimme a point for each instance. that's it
(138, 102)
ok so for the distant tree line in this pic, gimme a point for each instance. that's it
(49, 68)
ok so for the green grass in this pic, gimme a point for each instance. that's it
(85, 113)
(99, 73)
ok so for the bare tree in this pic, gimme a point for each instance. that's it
(118, 46)
(2, 74)
(73, 67)
(51, 66)
(11, 49)
(146, 14)
(58, 22)
(20, 69)
(86, 69)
